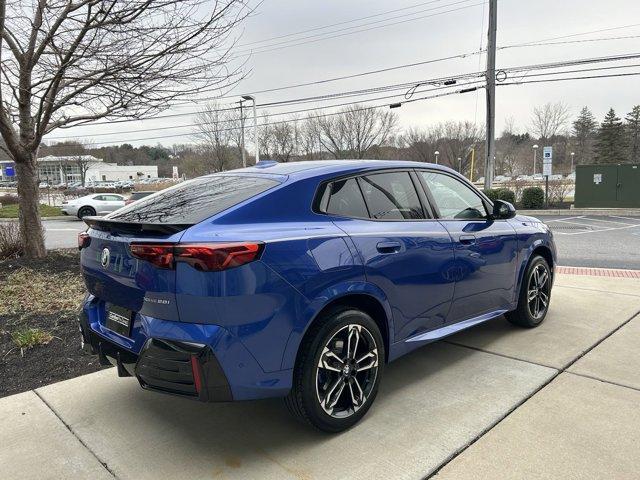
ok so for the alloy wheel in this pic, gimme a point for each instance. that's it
(346, 371)
(538, 291)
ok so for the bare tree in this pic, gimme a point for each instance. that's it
(213, 135)
(549, 120)
(65, 63)
(356, 129)
(285, 139)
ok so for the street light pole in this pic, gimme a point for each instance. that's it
(572, 154)
(460, 165)
(436, 153)
(255, 125)
(244, 159)
(535, 150)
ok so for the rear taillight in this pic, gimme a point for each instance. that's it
(84, 240)
(206, 257)
(161, 255)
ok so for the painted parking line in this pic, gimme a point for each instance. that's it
(581, 224)
(610, 221)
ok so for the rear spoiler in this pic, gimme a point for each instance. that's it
(116, 226)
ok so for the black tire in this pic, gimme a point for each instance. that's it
(535, 295)
(357, 384)
(86, 212)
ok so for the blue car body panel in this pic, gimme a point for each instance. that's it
(430, 277)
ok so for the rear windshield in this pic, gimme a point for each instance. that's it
(193, 201)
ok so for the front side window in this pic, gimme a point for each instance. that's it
(454, 199)
(391, 196)
(195, 200)
(343, 198)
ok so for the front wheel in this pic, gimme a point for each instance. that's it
(535, 295)
(338, 371)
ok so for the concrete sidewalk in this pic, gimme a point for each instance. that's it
(559, 401)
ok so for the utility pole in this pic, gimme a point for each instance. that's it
(491, 95)
(244, 159)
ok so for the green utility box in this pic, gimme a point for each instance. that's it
(607, 186)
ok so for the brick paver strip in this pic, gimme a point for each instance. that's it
(599, 272)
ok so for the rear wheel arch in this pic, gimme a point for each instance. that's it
(359, 301)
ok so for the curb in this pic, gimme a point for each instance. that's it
(44, 219)
(598, 272)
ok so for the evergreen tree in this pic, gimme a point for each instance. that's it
(584, 130)
(633, 134)
(611, 146)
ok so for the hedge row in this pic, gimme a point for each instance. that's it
(532, 197)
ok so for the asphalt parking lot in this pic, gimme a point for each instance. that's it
(611, 241)
(62, 233)
(559, 401)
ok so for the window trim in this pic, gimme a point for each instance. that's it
(427, 211)
(488, 205)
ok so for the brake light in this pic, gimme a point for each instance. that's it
(209, 257)
(160, 255)
(84, 240)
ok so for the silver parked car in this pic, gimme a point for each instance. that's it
(94, 204)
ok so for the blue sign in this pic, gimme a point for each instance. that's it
(9, 171)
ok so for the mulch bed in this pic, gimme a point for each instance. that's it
(43, 294)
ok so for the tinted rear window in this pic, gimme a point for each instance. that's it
(193, 201)
(343, 198)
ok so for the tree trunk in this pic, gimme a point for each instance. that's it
(28, 197)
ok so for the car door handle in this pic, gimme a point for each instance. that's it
(467, 239)
(388, 247)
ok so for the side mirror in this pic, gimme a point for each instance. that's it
(503, 210)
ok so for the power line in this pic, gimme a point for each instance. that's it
(315, 29)
(446, 82)
(372, 107)
(589, 77)
(297, 43)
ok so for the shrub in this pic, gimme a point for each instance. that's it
(532, 197)
(10, 244)
(501, 194)
(8, 199)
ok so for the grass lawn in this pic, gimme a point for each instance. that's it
(11, 211)
(39, 338)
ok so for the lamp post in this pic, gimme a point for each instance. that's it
(460, 164)
(535, 150)
(255, 125)
(436, 153)
(572, 155)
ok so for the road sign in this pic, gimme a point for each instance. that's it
(175, 173)
(547, 161)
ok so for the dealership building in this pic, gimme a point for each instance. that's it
(66, 169)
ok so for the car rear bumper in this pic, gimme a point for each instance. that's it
(179, 368)
(202, 362)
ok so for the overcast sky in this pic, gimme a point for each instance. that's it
(460, 29)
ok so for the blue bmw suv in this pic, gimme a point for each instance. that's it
(302, 280)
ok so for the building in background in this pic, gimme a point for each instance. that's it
(66, 169)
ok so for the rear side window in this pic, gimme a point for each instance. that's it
(391, 196)
(193, 201)
(343, 198)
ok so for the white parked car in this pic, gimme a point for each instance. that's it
(94, 204)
